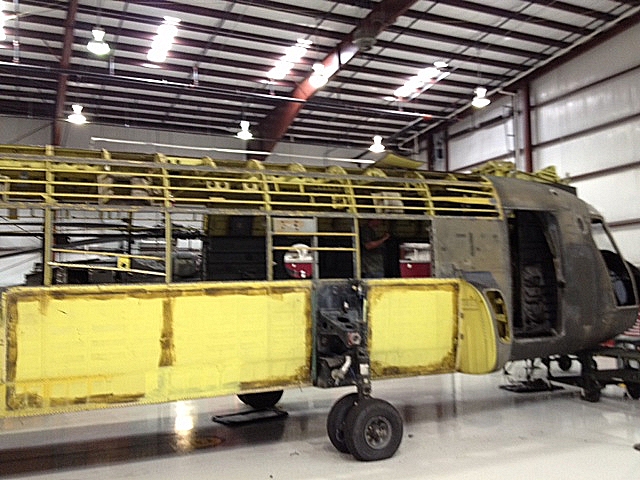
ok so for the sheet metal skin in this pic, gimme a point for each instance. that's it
(587, 312)
(85, 347)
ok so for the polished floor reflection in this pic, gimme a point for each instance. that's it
(456, 427)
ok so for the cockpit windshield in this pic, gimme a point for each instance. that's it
(619, 271)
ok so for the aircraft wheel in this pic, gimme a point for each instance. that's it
(564, 362)
(373, 430)
(261, 399)
(633, 389)
(336, 419)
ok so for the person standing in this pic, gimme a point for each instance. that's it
(373, 241)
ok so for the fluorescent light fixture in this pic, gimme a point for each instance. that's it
(424, 80)
(377, 146)
(163, 40)
(244, 132)
(157, 56)
(319, 77)
(77, 117)
(318, 80)
(428, 73)
(292, 55)
(480, 100)
(295, 53)
(98, 46)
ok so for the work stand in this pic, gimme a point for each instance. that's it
(593, 379)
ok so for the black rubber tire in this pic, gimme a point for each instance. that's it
(373, 430)
(336, 420)
(564, 363)
(633, 389)
(261, 399)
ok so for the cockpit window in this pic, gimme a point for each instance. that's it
(617, 267)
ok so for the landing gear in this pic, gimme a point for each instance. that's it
(373, 430)
(336, 421)
(591, 391)
(367, 428)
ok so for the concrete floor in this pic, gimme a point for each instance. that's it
(455, 427)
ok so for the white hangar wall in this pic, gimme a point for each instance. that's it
(585, 121)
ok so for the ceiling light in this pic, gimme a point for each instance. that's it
(403, 91)
(244, 132)
(292, 56)
(428, 73)
(318, 81)
(163, 40)
(98, 46)
(319, 77)
(480, 100)
(77, 117)
(377, 146)
(295, 53)
(424, 80)
(157, 56)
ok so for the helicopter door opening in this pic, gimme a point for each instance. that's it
(535, 281)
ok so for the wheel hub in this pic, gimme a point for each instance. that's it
(378, 432)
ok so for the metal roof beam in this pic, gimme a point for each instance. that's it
(384, 14)
(568, 7)
(499, 12)
(65, 61)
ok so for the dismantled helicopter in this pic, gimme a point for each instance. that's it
(479, 269)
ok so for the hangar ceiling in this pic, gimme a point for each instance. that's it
(219, 67)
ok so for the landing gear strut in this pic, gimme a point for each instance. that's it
(368, 428)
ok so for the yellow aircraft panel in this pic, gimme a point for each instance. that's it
(413, 326)
(81, 347)
(91, 346)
